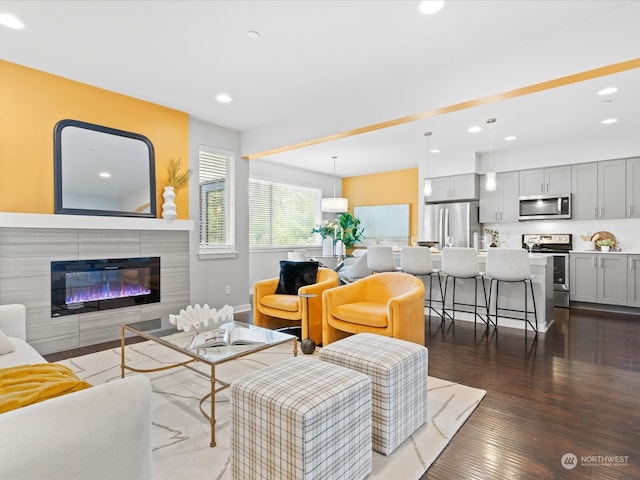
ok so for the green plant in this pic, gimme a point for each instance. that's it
(176, 178)
(494, 234)
(604, 242)
(350, 230)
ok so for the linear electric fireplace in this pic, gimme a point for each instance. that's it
(81, 286)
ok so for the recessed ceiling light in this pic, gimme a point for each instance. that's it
(429, 7)
(435, 150)
(510, 138)
(253, 34)
(105, 174)
(608, 91)
(474, 130)
(10, 21)
(223, 98)
(609, 121)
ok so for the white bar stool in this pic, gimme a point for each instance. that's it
(459, 263)
(380, 259)
(511, 265)
(417, 261)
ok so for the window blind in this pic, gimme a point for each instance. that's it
(217, 209)
(282, 215)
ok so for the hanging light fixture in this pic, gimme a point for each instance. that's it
(335, 204)
(490, 184)
(427, 181)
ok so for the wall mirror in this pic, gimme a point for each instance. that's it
(103, 171)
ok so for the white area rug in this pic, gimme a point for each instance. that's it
(180, 434)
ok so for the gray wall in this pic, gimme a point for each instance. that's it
(211, 276)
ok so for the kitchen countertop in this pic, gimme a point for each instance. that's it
(624, 252)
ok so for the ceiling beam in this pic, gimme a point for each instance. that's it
(518, 92)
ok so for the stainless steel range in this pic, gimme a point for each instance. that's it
(559, 246)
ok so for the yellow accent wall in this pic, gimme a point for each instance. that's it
(32, 102)
(388, 188)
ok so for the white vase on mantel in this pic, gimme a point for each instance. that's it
(169, 206)
(339, 248)
(327, 247)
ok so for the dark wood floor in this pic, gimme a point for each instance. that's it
(574, 390)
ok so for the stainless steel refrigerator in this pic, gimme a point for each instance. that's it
(459, 220)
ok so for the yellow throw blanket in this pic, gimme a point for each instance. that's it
(26, 384)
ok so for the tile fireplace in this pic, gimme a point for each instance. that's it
(81, 286)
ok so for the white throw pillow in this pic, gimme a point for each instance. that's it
(5, 345)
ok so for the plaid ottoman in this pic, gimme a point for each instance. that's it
(301, 419)
(398, 371)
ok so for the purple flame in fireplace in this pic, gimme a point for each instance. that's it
(83, 286)
(106, 291)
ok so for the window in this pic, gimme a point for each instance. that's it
(282, 215)
(217, 209)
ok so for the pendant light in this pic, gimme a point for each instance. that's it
(427, 181)
(490, 184)
(335, 204)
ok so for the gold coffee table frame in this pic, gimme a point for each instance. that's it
(162, 332)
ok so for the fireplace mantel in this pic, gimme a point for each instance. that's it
(38, 220)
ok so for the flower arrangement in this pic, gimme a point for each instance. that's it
(345, 228)
(176, 178)
(494, 234)
(326, 229)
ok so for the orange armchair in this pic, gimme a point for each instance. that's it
(390, 304)
(271, 310)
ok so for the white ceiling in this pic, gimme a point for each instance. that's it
(326, 67)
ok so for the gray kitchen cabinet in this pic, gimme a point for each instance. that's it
(501, 205)
(612, 279)
(599, 190)
(633, 187)
(612, 198)
(454, 187)
(582, 274)
(584, 188)
(543, 181)
(633, 280)
(598, 278)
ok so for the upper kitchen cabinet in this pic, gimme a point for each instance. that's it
(542, 181)
(612, 199)
(633, 187)
(584, 187)
(500, 206)
(599, 190)
(455, 187)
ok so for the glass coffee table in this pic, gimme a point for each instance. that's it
(164, 333)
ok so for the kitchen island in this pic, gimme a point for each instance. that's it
(511, 294)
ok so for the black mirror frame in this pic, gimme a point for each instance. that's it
(57, 170)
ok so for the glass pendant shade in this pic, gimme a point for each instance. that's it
(490, 184)
(335, 205)
(427, 188)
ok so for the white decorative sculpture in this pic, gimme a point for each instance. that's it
(201, 318)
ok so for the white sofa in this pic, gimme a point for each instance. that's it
(103, 432)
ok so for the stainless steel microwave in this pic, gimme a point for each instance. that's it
(545, 207)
